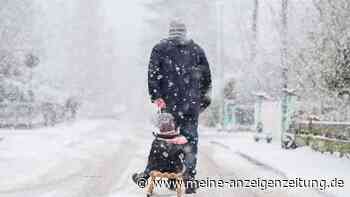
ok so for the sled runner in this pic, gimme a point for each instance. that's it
(154, 175)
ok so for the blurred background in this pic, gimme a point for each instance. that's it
(75, 111)
(62, 60)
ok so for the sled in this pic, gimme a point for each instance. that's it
(165, 175)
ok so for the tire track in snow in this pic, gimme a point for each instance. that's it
(274, 173)
(209, 168)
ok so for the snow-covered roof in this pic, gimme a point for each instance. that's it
(263, 95)
(290, 91)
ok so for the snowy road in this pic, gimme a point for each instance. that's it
(96, 159)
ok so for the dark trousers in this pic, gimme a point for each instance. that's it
(188, 125)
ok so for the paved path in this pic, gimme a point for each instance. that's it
(107, 173)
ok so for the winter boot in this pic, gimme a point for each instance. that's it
(140, 179)
(191, 186)
(190, 190)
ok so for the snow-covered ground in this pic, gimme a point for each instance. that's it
(27, 156)
(92, 158)
(301, 162)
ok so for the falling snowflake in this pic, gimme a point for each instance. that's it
(165, 154)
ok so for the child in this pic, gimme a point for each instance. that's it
(167, 151)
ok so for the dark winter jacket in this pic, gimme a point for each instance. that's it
(180, 74)
(165, 157)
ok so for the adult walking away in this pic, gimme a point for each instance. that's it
(179, 81)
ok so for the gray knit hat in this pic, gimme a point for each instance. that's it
(166, 125)
(177, 29)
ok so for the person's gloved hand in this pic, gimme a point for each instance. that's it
(178, 140)
(160, 103)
